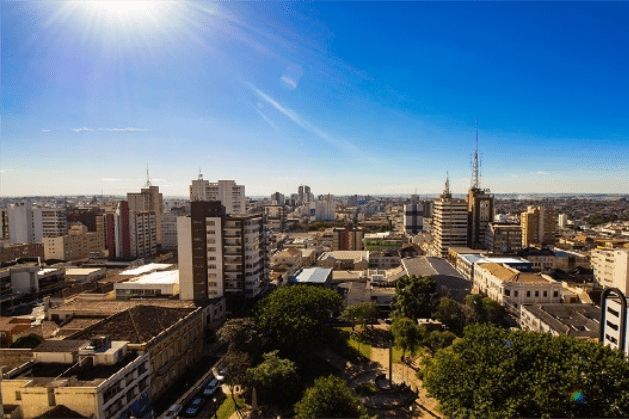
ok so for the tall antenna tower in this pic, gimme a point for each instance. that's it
(200, 174)
(148, 179)
(476, 163)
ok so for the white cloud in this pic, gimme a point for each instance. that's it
(82, 129)
(543, 173)
(45, 130)
(111, 129)
(111, 180)
(296, 118)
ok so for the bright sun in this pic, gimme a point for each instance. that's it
(126, 11)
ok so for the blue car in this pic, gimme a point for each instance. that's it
(211, 388)
(194, 407)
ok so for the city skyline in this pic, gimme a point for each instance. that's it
(348, 98)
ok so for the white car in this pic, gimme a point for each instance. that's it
(221, 374)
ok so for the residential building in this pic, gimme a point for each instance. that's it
(219, 254)
(352, 260)
(611, 268)
(49, 222)
(277, 198)
(287, 262)
(130, 234)
(449, 223)
(4, 224)
(348, 238)
(98, 378)
(89, 217)
(143, 230)
(480, 212)
(538, 226)
(24, 250)
(562, 220)
(581, 321)
(325, 209)
(230, 195)
(169, 230)
(414, 214)
(275, 217)
(173, 339)
(512, 288)
(11, 329)
(503, 238)
(383, 259)
(78, 244)
(313, 276)
(546, 260)
(149, 199)
(614, 328)
(21, 228)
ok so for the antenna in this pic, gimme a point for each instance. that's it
(446, 191)
(200, 174)
(148, 179)
(476, 165)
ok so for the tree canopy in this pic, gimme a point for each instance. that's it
(407, 335)
(28, 341)
(413, 296)
(329, 397)
(362, 313)
(297, 315)
(241, 335)
(274, 379)
(497, 373)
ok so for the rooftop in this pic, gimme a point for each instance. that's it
(162, 277)
(112, 307)
(136, 325)
(512, 275)
(355, 255)
(151, 267)
(61, 345)
(313, 275)
(419, 267)
(579, 320)
(81, 271)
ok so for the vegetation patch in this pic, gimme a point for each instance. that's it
(228, 407)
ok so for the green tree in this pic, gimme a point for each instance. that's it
(497, 373)
(451, 314)
(275, 379)
(406, 335)
(297, 316)
(241, 335)
(436, 340)
(329, 397)
(363, 314)
(413, 297)
(28, 341)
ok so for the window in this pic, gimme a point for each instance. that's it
(545, 293)
(528, 293)
(537, 293)
(507, 292)
(612, 325)
(555, 294)
(515, 293)
(614, 312)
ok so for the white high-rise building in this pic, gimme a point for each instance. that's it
(449, 223)
(148, 199)
(611, 268)
(30, 225)
(230, 195)
(562, 220)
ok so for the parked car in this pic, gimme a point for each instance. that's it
(173, 411)
(211, 388)
(194, 407)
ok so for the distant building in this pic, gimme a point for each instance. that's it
(538, 226)
(21, 250)
(169, 231)
(503, 238)
(352, 260)
(278, 198)
(149, 199)
(480, 212)
(230, 195)
(348, 238)
(449, 224)
(130, 234)
(562, 220)
(275, 217)
(78, 244)
(414, 214)
(546, 260)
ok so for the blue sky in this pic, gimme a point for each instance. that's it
(347, 97)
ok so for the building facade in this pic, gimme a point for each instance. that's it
(414, 214)
(503, 238)
(230, 195)
(348, 238)
(449, 223)
(480, 212)
(149, 199)
(538, 226)
(611, 268)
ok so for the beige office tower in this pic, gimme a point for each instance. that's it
(449, 223)
(149, 199)
(230, 195)
(538, 226)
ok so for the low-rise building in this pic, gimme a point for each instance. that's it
(344, 260)
(577, 320)
(313, 276)
(383, 259)
(84, 274)
(98, 378)
(77, 244)
(547, 260)
(152, 285)
(512, 288)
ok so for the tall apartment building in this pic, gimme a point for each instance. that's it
(348, 238)
(503, 238)
(89, 217)
(562, 220)
(449, 223)
(278, 198)
(275, 217)
(538, 226)
(78, 244)
(220, 254)
(30, 225)
(130, 234)
(480, 212)
(230, 195)
(4, 224)
(611, 268)
(148, 199)
(414, 214)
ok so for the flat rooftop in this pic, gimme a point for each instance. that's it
(313, 275)
(155, 278)
(82, 271)
(151, 267)
(511, 275)
(579, 320)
